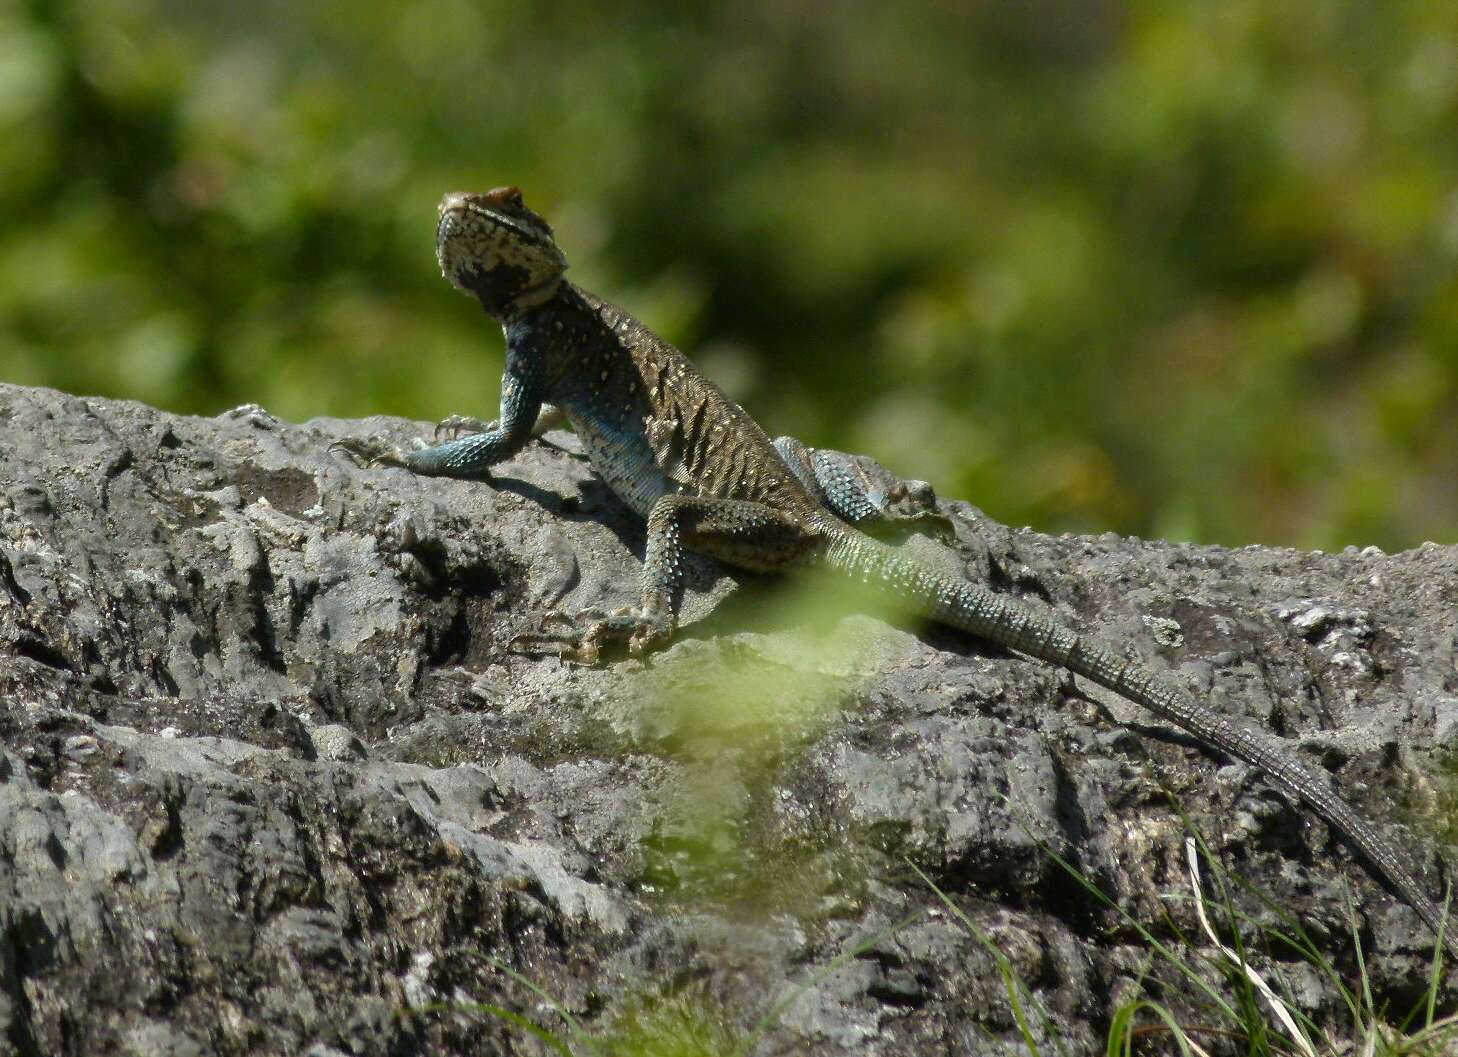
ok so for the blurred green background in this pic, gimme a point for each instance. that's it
(1183, 269)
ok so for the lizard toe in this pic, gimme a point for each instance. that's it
(648, 636)
(368, 453)
(584, 635)
(573, 620)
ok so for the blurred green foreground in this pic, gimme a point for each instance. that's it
(1177, 269)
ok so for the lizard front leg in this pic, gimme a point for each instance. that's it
(748, 535)
(472, 455)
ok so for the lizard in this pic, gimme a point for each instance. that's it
(706, 477)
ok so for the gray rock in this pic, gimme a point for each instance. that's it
(335, 741)
(273, 780)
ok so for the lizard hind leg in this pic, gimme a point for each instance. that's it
(858, 499)
(746, 534)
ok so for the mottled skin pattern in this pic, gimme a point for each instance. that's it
(707, 478)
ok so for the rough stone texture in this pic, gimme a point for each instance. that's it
(273, 781)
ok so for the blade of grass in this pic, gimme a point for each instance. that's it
(845, 957)
(557, 1007)
(1148, 937)
(507, 1015)
(1121, 1034)
(1010, 979)
(1276, 1005)
(1438, 958)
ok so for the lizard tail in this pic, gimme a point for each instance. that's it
(997, 618)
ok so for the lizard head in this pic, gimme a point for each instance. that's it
(491, 245)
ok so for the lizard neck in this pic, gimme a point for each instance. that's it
(554, 310)
(529, 301)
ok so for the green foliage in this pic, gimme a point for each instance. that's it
(688, 1023)
(731, 717)
(1184, 268)
(1262, 1020)
(671, 1026)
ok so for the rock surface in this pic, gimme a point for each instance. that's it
(273, 781)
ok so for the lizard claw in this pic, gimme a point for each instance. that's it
(537, 643)
(642, 635)
(572, 620)
(368, 454)
(893, 526)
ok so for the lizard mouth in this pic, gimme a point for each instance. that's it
(461, 212)
(455, 266)
(456, 219)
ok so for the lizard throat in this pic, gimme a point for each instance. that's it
(530, 298)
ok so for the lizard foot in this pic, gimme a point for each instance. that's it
(585, 645)
(455, 426)
(893, 527)
(369, 453)
(911, 506)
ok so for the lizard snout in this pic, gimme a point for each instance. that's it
(454, 201)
